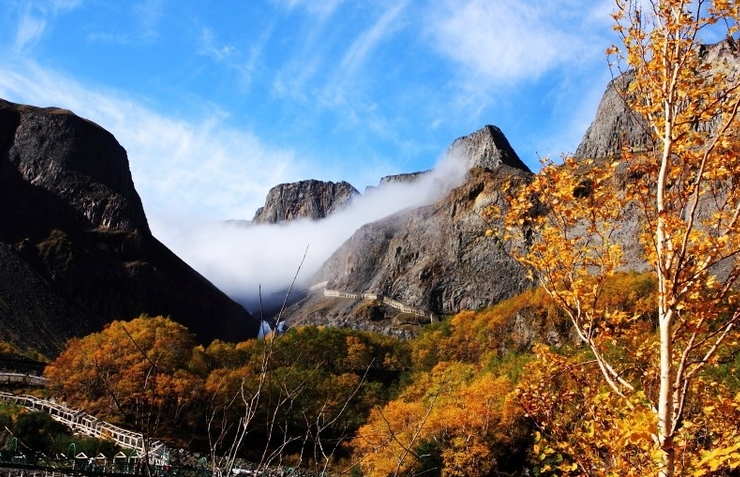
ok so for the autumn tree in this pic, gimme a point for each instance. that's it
(454, 420)
(682, 195)
(296, 397)
(135, 372)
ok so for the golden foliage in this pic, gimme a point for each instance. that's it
(586, 429)
(466, 414)
(149, 374)
(133, 371)
(683, 191)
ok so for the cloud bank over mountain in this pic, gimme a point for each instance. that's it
(240, 257)
(213, 114)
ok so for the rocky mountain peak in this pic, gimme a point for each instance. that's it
(64, 170)
(487, 148)
(435, 258)
(616, 126)
(76, 251)
(311, 199)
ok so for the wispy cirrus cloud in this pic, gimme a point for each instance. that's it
(30, 29)
(354, 61)
(62, 5)
(501, 52)
(208, 46)
(322, 9)
(148, 14)
(178, 166)
(138, 23)
(508, 41)
(33, 17)
(379, 31)
(246, 64)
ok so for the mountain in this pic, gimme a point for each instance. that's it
(76, 251)
(310, 199)
(434, 259)
(405, 178)
(615, 126)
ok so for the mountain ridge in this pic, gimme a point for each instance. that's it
(74, 234)
(311, 199)
(431, 258)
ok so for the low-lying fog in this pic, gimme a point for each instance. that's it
(239, 257)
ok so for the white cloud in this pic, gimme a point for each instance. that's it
(33, 20)
(509, 41)
(379, 31)
(30, 29)
(239, 259)
(322, 9)
(342, 88)
(178, 166)
(209, 48)
(65, 5)
(232, 58)
(139, 23)
(149, 12)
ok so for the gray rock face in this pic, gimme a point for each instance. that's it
(406, 178)
(615, 126)
(487, 148)
(402, 178)
(309, 199)
(435, 258)
(75, 247)
(65, 171)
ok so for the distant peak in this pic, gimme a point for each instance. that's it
(312, 199)
(487, 148)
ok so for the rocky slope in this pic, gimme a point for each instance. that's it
(309, 199)
(434, 258)
(75, 247)
(615, 126)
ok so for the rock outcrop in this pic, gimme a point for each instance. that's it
(616, 126)
(76, 251)
(486, 148)
(406, 178)
(60, 170)
(310, 199)
(434, 258)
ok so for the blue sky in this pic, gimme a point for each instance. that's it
(218, 101)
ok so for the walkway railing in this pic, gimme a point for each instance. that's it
(88, 425)
(381, 298)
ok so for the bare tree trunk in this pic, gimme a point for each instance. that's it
(665, 404)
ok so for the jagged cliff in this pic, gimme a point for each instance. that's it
(76, 251)
(436, 258)
(311, 199)
(616, 127)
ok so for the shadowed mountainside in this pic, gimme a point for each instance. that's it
(76, 251)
